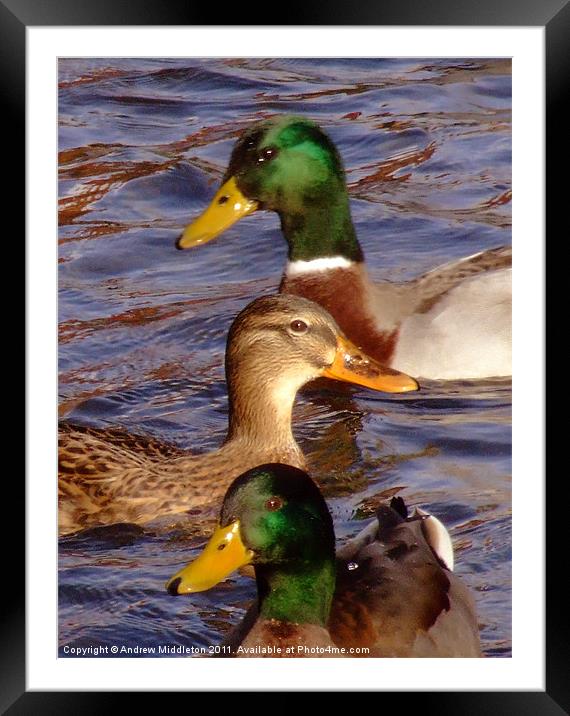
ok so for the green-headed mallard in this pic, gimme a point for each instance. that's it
(389, 592)
(453, 322)
(275, 345)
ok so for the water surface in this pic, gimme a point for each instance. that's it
(142, 327)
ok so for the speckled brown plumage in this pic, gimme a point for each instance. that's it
(102, 481)
(108, 475)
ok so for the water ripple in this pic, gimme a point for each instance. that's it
(142, 145)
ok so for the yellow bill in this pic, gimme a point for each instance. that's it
(353, 366)
(224, 553)
(228, 206)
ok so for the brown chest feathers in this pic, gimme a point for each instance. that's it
(344, 294)
(275, 639)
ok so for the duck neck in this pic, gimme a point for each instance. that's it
(321, 229)
(300, 594)
(260, 408)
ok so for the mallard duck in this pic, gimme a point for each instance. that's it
(389, 592)
(275, 345)
(453, 322)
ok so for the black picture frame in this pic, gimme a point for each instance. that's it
(15, 16)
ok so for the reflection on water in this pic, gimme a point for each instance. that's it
(142, 145)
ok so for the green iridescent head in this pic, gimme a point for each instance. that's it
(288, 165)
(282, 514)
(275, 518)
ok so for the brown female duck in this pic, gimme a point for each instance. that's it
(390, 592)
(275, 345)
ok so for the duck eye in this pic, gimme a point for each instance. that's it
(273, 504)
(298, 326)
(267, 154)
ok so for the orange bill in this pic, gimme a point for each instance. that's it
(228, 206)
(224, 553)
(354, 366)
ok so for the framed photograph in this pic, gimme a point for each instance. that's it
(136, 124)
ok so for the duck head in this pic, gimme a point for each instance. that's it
(290, 166)
(276, 345)
(275, 518)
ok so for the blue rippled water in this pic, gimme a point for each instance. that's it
(142, 145)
